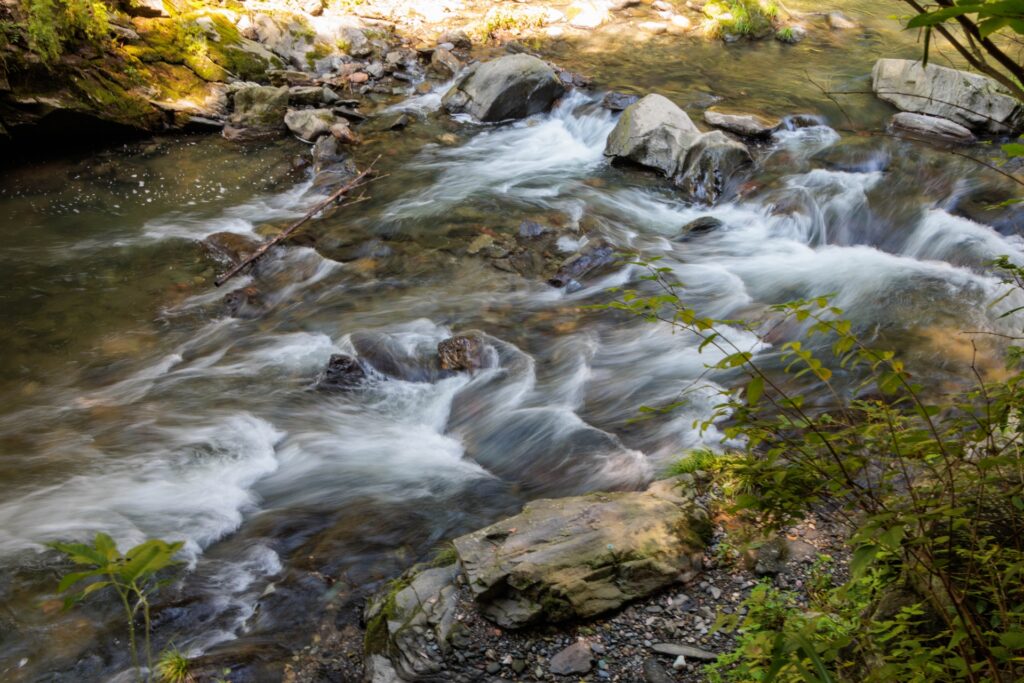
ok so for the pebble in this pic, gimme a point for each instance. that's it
(680, 663)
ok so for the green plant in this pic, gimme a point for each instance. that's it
(54, 24)
(173, 667)
(980, 31)
(133, 576)
(929, 483)
(747, 18)
(697, 460)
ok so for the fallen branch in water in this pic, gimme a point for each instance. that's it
(265, 247)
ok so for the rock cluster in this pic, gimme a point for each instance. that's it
(971, 100)
(559, 559)
(656, 133)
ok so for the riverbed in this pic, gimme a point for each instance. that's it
(132, 402)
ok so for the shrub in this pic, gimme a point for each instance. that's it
(52, 25)
(929, 484)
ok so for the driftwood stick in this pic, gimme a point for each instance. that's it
(265, 247)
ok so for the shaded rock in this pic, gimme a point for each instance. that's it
(713, 166)
(391, 357)
(532, 229)
(855, 156)
(326, 152)
(456, 37)
(343, 373)
(652, 132)
(617, 101)
(575, 659)
(395, 120)
(230, 247)
(510, 87)
(445, 63)
(745, 125)
(343, 132)
(654, 672)
(309, 124)
(680, 650)
(259, 112)
(698, 226)
(308, 95)
(770, 558)
(409, 628)
(459, 353)
(972, 100)
(582, 556)
(580, 264)
(922, 125)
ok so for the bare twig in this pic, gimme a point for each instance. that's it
(265, 247)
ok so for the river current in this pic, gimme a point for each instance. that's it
(134, 404)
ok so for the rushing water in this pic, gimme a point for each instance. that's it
(131, 403)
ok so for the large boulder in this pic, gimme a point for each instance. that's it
(653, 132)
(510, 87)
(579, 557)
(972, 100)
(259, 112)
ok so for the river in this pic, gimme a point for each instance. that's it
(132, 403)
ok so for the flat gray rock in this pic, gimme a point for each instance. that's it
(688, 651)
(969, 99)
(935, 127)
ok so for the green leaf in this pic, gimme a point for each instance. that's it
(74, 577)
(755, 389)
(1013, 640)
(1013, 149)
(862, 559)
(942, 15)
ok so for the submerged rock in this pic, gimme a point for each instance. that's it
(745, 125)
(343, 373)
(972, 100)
(931, 127)
(510, 87)
(579, 557)
(459, 353)
(699, 226)
(616, 101)
(580, 264)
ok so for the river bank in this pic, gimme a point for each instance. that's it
(155, 404)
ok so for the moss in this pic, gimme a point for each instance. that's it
(445, 556)
(319, 51)
(377, 636)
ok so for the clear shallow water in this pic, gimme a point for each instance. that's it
(131, 403)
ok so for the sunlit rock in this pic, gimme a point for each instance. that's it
(579, 557)
(972, 100)
(510, 87)
(922, 125)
